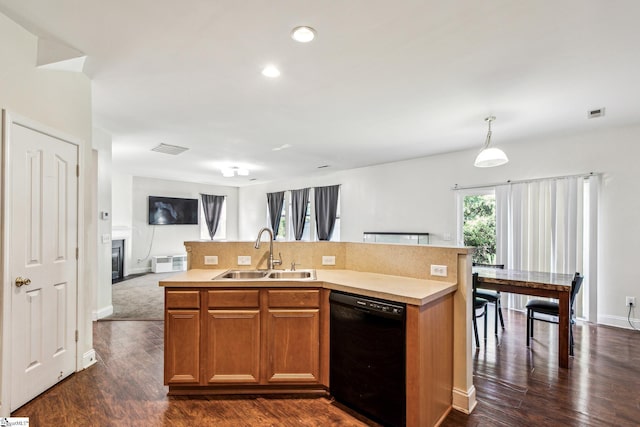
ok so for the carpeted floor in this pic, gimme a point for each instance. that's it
(139, 298)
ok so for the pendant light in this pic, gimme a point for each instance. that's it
(489, 157)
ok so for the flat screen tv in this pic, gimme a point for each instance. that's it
(172, 210)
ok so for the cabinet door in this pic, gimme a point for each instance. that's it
(232, 346)
(182, 347)
(293, 346)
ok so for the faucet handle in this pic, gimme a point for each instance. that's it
(293, 265)
(279, 260)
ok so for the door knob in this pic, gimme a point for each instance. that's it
(21, 281)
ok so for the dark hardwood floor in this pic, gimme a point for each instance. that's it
(125, 388)
(515, 386)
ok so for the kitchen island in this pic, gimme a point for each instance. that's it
(265, 336)
(238, 336)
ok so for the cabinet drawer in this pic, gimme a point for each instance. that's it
(292, 298)
(182, 299)
(233, 299)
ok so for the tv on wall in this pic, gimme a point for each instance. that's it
(172, 210)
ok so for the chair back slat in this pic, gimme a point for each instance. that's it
(575, 287)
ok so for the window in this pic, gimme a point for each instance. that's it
(285, 232)
(221, 232)
(479, 227)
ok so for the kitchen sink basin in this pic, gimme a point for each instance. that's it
(242, 274)
(292, 275)
(267, 275)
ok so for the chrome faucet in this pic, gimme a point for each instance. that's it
(272, 261)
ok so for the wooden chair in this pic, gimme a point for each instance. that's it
(492, 297)
(478, 304)
(552, 308)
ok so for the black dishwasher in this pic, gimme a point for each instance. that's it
(367, 356)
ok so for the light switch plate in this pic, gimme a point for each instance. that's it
(439, 270)
(106, 238)
(244, 260)
(328, 260)
(210, 260)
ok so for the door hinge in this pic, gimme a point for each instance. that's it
(76, 335)
(77, 253)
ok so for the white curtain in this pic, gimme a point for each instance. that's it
(539, 227)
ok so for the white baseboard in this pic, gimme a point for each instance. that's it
(140, 270)
(89, 358)
(102, 313)
(464, 401)
(618, 321)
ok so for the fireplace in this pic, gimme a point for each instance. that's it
(117, 260)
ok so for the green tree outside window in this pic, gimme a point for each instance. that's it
(479, 227)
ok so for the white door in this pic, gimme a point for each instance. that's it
(43, 187)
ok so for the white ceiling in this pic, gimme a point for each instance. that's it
(383, 81)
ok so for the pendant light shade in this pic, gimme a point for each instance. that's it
(489, 157)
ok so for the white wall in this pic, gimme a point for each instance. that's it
(102, 151)
(62, 101)
(416, 195)
(149, 240)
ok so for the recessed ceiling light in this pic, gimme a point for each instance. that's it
(303, 34)
(270, 71)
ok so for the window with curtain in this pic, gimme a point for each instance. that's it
(299, 212)
(275, 202)
(540, 226)
(214, 215)
(306, 216)
(546, 225)
(326, 207)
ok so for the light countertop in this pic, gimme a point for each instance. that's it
(394, 288)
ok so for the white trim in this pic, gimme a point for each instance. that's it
(617, 321)
(101, 313)
(140, 270)
(464, 401)
(5, 320)
(89, 358)
(5, 291)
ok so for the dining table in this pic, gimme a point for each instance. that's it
(535, 283)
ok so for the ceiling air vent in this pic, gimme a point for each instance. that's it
(598, 112)
(169, 149)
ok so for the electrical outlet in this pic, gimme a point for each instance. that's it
(244, 260)
(328, 260)
(210, 260)
(630, 301)
(439, 270)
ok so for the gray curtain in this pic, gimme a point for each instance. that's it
(212, 206)
(275, 201)
(326, 203)
(299, 200)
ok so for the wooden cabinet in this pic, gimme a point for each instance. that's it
(232, 337)
(245, 339)
(182, 337)
(293, 336)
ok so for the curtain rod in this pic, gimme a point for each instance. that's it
(523, 181)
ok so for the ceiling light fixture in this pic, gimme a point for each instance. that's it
(303, 34)
(270, 71)
(232, 171)
(489, 157)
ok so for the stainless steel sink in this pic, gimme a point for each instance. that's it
(242, 274)
(292, 275)
(309, 274)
